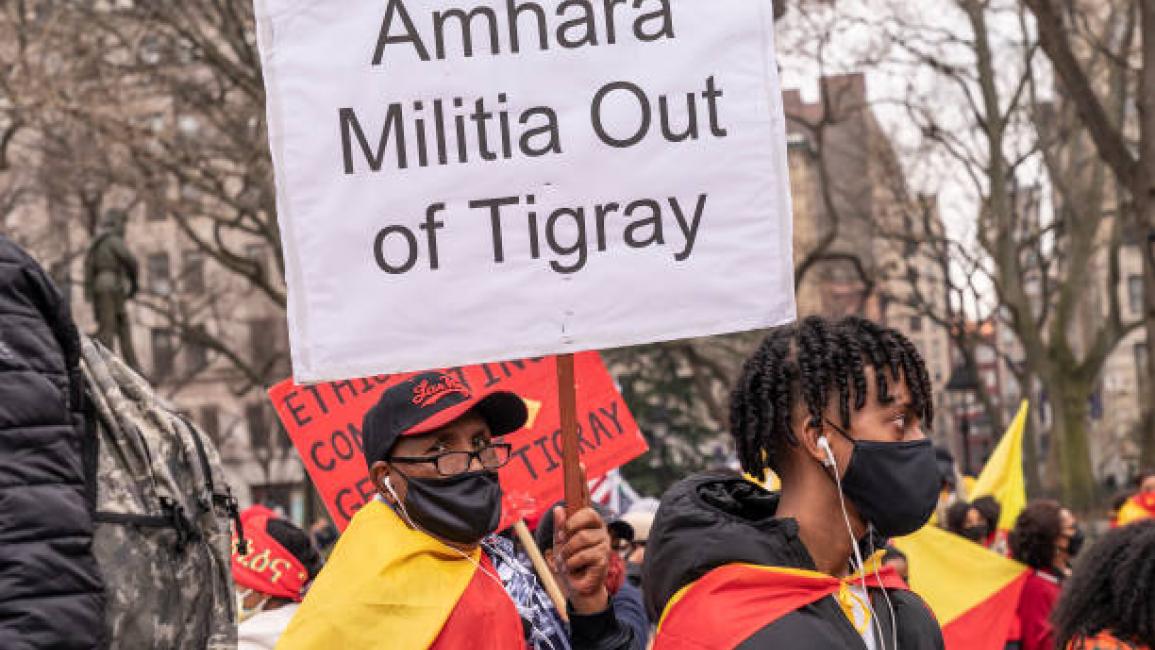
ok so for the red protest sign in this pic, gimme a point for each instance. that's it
(324, 423)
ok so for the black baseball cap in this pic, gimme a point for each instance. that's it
(429, 401)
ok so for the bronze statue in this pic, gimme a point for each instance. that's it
(110, 279)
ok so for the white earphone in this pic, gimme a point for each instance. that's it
(388, 485)
(824, 445)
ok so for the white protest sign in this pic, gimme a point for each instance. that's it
(462, 181)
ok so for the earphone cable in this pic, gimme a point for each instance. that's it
(857, 556)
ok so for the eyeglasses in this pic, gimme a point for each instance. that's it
(451, 463)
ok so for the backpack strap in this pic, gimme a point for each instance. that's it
(224, 500)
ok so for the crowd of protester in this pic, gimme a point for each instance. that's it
(1101, 598)
(833, 409)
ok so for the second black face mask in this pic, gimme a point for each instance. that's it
(1075, 544)
(461, 509)
(975, 533)
(894, 485)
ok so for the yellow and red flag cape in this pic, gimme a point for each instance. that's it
(749, 597)
(972, 591)
(385, 585)
(1139, 507)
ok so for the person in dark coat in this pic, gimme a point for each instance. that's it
(625, 597)
(836, 409)
(51, 592)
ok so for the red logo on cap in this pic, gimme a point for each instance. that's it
(429, 392)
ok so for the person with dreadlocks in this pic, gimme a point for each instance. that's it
(836, 410)
(1109, 600)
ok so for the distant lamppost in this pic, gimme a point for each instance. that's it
(960, 389)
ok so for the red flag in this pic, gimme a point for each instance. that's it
(748, 598)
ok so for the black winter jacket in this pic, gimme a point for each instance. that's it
(705, 522)
(51, 593)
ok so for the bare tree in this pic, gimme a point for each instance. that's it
(952, 298)
(1067, 34)
(679, 394)
(1036, 261)
(836, 130)
(13, 53)
(161, 105)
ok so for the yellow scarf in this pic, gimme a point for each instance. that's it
(384, 586)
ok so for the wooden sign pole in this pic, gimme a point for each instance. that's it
(539, 564)
(575, 489)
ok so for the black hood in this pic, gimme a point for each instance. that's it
(705, 522)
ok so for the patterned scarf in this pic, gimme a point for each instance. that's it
(545, 629)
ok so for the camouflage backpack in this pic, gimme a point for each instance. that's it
(162, 512)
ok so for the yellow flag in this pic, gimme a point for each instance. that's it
(1002, 478)
(384, 586)
(769, 480)
(972, 591)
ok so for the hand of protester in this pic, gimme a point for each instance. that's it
(584, 544)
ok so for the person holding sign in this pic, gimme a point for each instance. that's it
(414, 570)
(272, 575)
(836, 410)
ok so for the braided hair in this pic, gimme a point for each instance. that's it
(808, 362)
(1112, 589)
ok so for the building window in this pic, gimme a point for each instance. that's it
(262, 341)
(162, 354)
(193, 272)
(154, 208)
(258, 426)
(159, 275)
(196, 356)
(916, 323)
(1141, 361)
(1135, 293)
(210, 421)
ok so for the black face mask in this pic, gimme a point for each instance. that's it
(1075, 543)
(462, 509)
(894, 485)
(975, 534)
